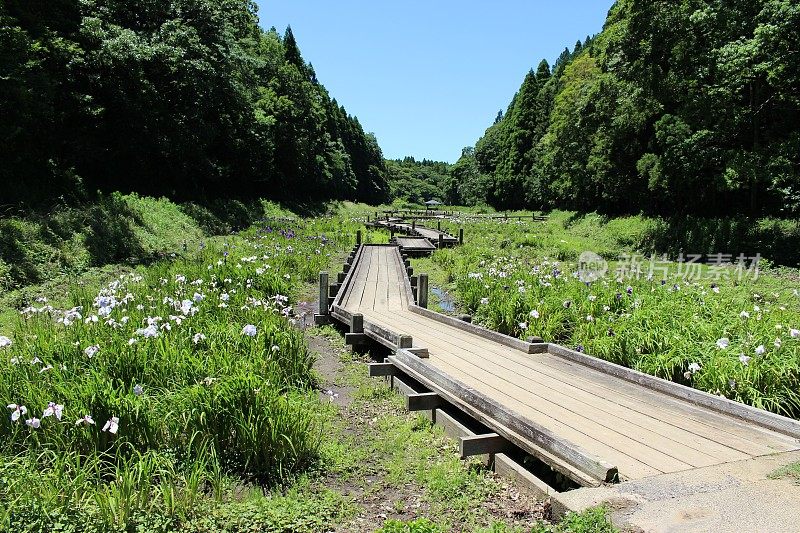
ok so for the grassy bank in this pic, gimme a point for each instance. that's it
(115, 228)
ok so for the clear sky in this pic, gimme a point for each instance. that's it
(428, 77)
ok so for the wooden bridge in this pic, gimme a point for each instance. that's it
(585, 418)
(436, 237)
(415, 246)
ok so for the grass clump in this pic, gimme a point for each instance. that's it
(790, 471)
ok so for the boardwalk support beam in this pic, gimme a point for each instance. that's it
(381, 369)
(481, 444)
(422, 353)
(323, 293)
(424, 401)
(357, 324)
(355, 339)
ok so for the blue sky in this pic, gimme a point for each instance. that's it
(428, 77)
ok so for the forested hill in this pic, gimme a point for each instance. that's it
(675, 107)
(418, 181)
(184, 98)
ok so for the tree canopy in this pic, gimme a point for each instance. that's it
(184, 98)
(675, 107)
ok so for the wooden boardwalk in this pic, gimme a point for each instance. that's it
(415, 245)
(581, 416)
(421, 231)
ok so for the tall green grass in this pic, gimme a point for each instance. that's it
(194, 361)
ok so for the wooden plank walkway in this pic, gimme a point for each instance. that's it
(415, 245)
(641, 431)
(428, 233)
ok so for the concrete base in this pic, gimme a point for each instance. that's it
(731, 497)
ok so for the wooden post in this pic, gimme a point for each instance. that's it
(413, 225)
(441, 241)
(422, 291)
(439, 225)
(405, 341)
(460, 236)
(323, 317)
(356, 335)
(358, 237)
(357, 324)
(323, 293)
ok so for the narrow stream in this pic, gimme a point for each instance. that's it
(446, 301)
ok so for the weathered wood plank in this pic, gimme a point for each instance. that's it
(472, 328)
(584, 461)
(346, 282)
(454, 428)
(766, 419)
